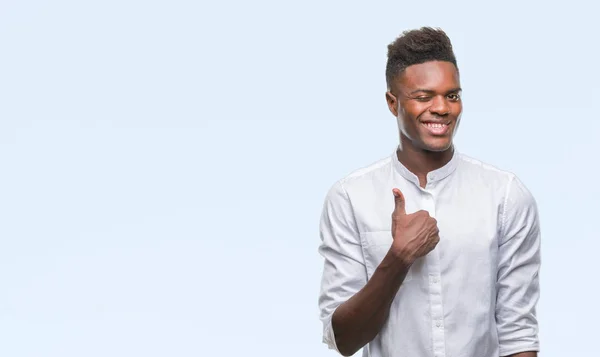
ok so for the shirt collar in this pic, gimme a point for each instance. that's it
(432, 176)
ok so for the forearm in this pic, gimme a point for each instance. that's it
(357, 321)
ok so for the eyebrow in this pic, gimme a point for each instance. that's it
(429, 91)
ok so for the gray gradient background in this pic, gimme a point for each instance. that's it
(163, 163)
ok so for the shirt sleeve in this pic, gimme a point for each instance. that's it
(518, 272)
(344, 271)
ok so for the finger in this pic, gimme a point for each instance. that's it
(433, 234)
(433, 243)
(399, 202)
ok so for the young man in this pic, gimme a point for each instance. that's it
(429, 252)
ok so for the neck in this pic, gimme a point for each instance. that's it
(420, 162)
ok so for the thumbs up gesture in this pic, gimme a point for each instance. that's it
(414, 234)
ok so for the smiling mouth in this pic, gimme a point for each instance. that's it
(436, 128)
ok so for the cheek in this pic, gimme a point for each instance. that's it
(413, 112)
(407, 123)
(457, 109)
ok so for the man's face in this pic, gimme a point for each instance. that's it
(426, 100)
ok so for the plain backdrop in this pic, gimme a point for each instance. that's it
(163, 164)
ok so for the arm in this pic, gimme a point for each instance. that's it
(353, 310)
(357, 321)
(518, 274)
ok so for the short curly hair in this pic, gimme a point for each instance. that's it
(415, 47)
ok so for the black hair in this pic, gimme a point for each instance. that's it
(415, 47)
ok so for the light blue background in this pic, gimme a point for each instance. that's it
(163, 163)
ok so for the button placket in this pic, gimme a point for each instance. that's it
(435, 290)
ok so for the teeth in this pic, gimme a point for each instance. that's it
(435, 125)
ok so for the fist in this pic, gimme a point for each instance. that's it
(414, 234)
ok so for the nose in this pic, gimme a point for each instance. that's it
(439, 106)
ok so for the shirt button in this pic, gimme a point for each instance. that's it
(435, 280)
(438, 323)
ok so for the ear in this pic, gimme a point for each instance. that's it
(392, 103)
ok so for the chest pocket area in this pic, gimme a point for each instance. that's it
(375, 247)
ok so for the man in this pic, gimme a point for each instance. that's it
(429, 252)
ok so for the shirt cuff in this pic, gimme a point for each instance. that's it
(507, 351)
(328, 335)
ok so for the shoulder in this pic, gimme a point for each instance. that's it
(517, 204)
(480, 172)
(483, 170)
(515, 191)
(363, 177)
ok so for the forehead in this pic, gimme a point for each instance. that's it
(433, 75)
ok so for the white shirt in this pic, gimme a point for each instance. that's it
(474, 295)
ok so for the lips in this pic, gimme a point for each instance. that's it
(436, 128)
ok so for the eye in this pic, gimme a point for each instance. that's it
(423, 98)
(454, 97)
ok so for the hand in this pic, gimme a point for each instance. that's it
(414, 234)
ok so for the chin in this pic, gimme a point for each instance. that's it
(437, 145)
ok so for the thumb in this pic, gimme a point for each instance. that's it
(399, 208)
